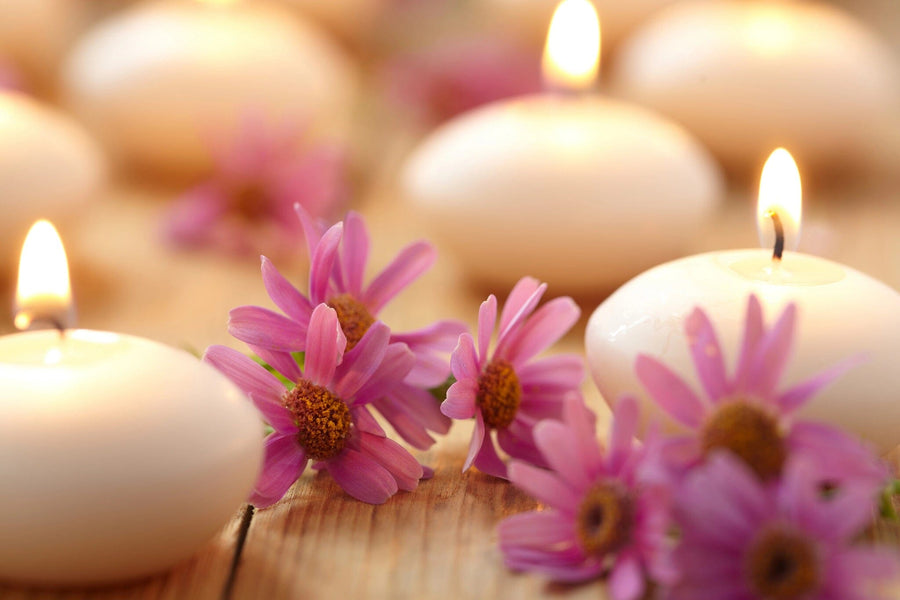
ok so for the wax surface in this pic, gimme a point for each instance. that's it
(119, 456)
(747, 77)
(842, 313)
(166, 84)
(583, 192)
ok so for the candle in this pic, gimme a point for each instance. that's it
(167, 83)
(842, 313)
(352, 20)
(746, 76)
(573, 188)
(49, 167)
(119, 456)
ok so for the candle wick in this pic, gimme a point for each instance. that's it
(778, 251)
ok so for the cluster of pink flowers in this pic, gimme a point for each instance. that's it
(751, 503)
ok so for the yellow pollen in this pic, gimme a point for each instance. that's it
(782, 565)
(605, 519)
(323, 418)
(353, 316)
(749, 432)
(499, 394)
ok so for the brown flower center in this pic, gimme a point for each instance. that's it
(353, 316)
(749, 432)
(250, 201)
(782, 565)
(605, 519)
(323, 419)
(499, 394)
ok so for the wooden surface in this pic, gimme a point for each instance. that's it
(440, 541)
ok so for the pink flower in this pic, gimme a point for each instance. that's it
(322, 417)
(746, 414)
(743, 540)
(10, 78)
(339, 257)
(454, 76)
(247, 203)
(599, 512)
(506, 391)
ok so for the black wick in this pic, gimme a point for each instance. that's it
(779, 235)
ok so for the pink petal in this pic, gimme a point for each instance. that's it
(669, 391)
(244, 372)
(544, 486)
(440, 336)
(460, 401)
(627, 579)
(265, 328)
(537, 529)
(517, 440)
(428, 370)
(283, 362)
(362, 477)
(522, 294)
(322, 263)
(392, 456)
(354, 253)
(707, 354)
(363, 360)
(284, 295)
(549, 323)
(365, 422)
(422, 406)
(190, 218)
(773, 353)
(797, 396)
(477, 440)
(464, 362)
(488, 462)
(559, 447)
(753, 334)
(624, 427)
(312, 230)
(582, 422)
(837, 456)
(389, 375)
(408, 428)
(555, 374)
(325, 345)
(412, 261)
(275, 414)
(568, 566)
(487, 316)
(283, 463)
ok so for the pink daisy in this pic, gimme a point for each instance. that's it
(745, 414)
(247, 203)
(743, 540)
(599, 514)
(322, 417)
(506, 391)
(454, 76)
(338, 263)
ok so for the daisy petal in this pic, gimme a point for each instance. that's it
(322, 263)
(275, 414)
(311, 229)
(460, 401)
(412, 261)
(440, 336)
(536, 529)
(464, 361)
(669, 391)
(360, 363)
(244, 372)
(627, 579)
(549, 323)
(488, 462)
(487, 317)
(283, 463)
(772, 356)
(797, 396)
(283, 362)
(477, 440)
(354, 253)
(624, 427)
(412, 432)
(753, 335)
(559, 447)
(325, 345)
(707, 354)
(389, 375)
(554, 374)
(522, 292)
(262, 327)
(362, 477)
(405, 469)
(544, 486)
(521, 308)
(284, 295)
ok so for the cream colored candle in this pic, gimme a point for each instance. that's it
(119, 456)
(573, 188)
(745, 77)
(842, 313)
(352, 20)
(167, 83)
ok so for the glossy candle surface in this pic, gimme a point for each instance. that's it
(841, 313)
(119, 456)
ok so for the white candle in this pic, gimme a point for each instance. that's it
(560, 186)
(352, 20)
(746, 76)
(119, 456)
(842, 313)
(49, 168)
(168, 83)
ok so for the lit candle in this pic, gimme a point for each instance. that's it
(49, 168)
(119, 456)
(573, 188)
(842, 313)
(747, 76)
(167, 83)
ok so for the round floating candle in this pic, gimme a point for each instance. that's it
(49, 168)
(119, 456)
(349, 19)
(747, 76)
(168, 83)
(842, 313)
(573, 188)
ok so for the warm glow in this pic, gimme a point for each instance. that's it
(779, 192)
(572, 52)
(770, 31)
(219, 2)
(43, 291)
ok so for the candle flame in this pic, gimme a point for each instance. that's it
(572, 53)
(43, 292)
(779, 193)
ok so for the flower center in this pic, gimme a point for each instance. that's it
(499, 394)
(323, 419)
(353, 316)
(782, 565)
(250, 201)
(605, 519)
(751, 433)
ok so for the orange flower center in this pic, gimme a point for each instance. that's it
(353, 316)
(323, 419)
(605, 519)
(782, 565)
(749, 432)
(499, 394)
